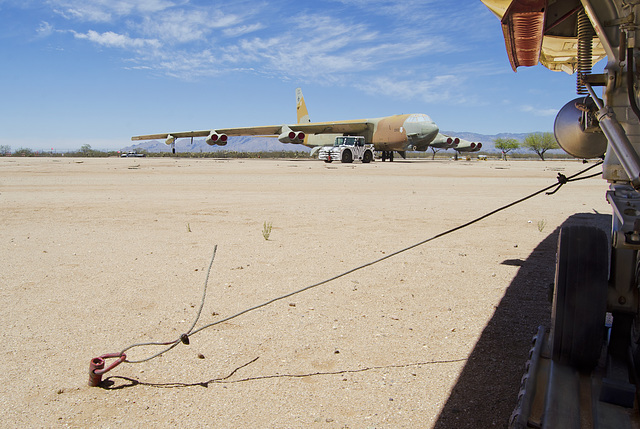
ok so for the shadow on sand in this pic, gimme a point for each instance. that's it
(487, 389)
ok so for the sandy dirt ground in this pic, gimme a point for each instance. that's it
(99, 254)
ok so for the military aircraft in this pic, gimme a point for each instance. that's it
(389, 134)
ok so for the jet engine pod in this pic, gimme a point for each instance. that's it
(170, 140)
(290, 136)
(214, 138)
(577, 131)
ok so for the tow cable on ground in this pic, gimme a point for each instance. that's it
(96, 366)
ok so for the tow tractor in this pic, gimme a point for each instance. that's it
(583, 369)
(347, 149)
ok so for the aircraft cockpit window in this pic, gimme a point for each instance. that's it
(419, 118)
(349, 141)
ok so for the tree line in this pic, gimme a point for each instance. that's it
(86, 151)
(540, 143)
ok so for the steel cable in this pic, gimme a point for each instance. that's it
(184, 338)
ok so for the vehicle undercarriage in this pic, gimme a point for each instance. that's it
(582, 370)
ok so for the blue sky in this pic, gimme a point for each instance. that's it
(97, 72)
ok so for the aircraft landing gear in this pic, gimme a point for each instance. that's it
(565, 370)
(387, 155)
(580, 297)
(585, 358)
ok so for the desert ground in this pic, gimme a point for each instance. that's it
(100, 254)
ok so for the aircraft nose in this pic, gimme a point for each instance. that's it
(430, 131)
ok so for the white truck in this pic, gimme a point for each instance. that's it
(347, 149)
(131, 153)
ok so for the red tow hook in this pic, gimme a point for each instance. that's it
(96, 367)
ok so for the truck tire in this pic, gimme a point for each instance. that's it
(367, 157)
(347, 158)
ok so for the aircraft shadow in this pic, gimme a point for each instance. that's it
(487, 389)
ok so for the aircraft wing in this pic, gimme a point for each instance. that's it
(244, 131)
(338, 127)
(342, 127)
(531, 37)
(176, 135)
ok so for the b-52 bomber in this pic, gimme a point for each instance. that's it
(398, 133)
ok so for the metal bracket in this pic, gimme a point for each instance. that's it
(625, 202)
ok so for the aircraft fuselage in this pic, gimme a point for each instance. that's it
(390, 133)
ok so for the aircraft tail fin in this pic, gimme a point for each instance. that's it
(301, 108)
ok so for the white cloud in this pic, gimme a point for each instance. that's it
(326, 47)
(114, 40)
(446, 16)
(183, 26)
(45, 29)
(176, 26)
(138, 68)
(539, 112)
(431, 89)
(180, 40)
(189, 66)
(402, 8)
(106, 10)
(88, 14)
(240, 30)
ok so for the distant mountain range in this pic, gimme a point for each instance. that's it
(235, 144)
(268, 144)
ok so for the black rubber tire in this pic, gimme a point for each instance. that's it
(580, 297)
(367, 157)
(347, 158)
